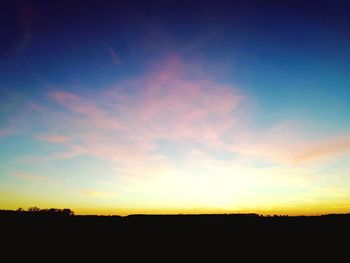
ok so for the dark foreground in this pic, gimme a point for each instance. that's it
(177, 234)
(203, 223)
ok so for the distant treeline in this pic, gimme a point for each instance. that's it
(37, 211)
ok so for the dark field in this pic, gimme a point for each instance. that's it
(215, 224)
(179, 237)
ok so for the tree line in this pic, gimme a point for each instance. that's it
(38, 211)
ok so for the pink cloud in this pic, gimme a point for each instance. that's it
(54, 138)
(324, 149)
(71, 152)
(127, 121)
(168, 104)
(286, 144)
(124, 124)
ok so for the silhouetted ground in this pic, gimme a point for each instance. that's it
(214, 224)
(249, 235)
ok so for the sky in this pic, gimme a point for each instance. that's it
(124, 107)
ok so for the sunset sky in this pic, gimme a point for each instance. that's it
(123, 107)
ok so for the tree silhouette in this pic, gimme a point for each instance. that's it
(46, 212)
(67, 212)
(33, 209)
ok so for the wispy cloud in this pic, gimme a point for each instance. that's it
(31, 177)
(54, 138)
(27, 16)
(87, 112)
(113, 55)
(98, 194)
(6, 132)
(19, 122)
(324, 149)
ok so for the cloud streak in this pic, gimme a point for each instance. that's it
(114, 56)
(54, 138)
(6, 132)
(31, 177)
(97, 194)
(325, 149)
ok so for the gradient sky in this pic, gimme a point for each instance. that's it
(120, 107)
